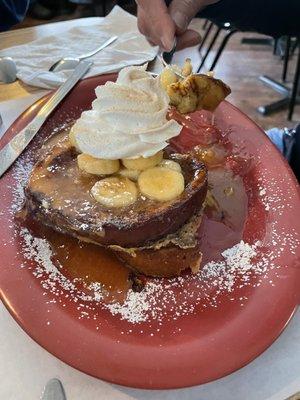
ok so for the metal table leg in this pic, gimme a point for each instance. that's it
(294, 99)
(286, 58)
(275, 106)
(292, 96)
(279, 87)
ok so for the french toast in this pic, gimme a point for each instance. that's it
(58, 194)
(169, 256)
(115, 182)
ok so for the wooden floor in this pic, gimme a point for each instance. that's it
(240, 66)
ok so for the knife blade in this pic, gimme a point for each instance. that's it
(12, 150)
(54, 390)
(295, 396)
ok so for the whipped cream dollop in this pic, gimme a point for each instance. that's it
(128, 118)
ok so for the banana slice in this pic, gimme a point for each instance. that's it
(170, 164)
(187, 68)
(97, 166)
(167, 77)
(132, 174)
(142, 163)
(115, 192)
(72, 139)
(161, 184)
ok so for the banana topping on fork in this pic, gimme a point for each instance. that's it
(195, 92)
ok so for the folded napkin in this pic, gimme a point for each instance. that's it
(34, 59)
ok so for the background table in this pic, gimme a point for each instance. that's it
(25, 367)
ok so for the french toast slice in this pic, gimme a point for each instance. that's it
(58, 194)
(169, 256)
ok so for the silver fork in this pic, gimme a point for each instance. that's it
(72, 62)
(166, 57)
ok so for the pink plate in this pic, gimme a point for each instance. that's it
(202, 345)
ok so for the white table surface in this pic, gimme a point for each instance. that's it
(25, 367)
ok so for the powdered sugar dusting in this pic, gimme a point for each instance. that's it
(243, 265)
(160, 299)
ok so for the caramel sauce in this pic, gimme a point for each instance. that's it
(87, 263)
(91, 263)
(223, 223)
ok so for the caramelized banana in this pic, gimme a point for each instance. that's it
(97, 166)
(115, 192)
(167, 77)
(187, 68)
(132, 174)
(161, 184)
(170, 164)
(142, 163)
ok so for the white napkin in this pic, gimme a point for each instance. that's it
(34, 59)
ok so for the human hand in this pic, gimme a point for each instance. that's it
(160, 24)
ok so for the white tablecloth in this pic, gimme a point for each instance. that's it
(25, 367)
(34, 59)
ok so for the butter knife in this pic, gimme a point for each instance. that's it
(54, 390)
(295, 396)
(16, 146)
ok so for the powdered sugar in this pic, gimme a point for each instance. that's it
(160, 299)
(157, 298)
(243, 265)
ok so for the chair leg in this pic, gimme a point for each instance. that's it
(205, 24)
(100, 8)
(215, 37)
(205, 36)
(221, 48)
(294, 46)
(295, 87)
(286, 57)
(275, 46)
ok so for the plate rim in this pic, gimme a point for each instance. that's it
(28, 111)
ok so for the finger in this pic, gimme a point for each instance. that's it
(150, 41)
(154, 21)
(182, 11)
(188, 39)
(141, 22)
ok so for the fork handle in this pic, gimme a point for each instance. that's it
(95, 51)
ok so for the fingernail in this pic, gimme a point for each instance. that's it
(167, 43)
(181, 20)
